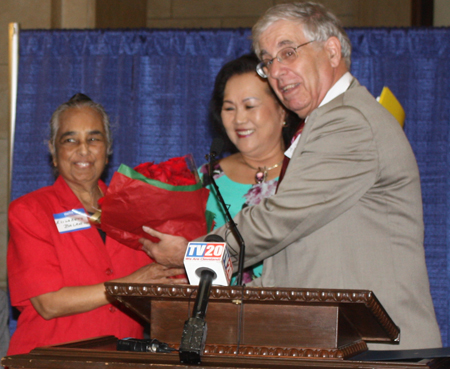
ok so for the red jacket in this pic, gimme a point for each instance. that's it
(42, 260)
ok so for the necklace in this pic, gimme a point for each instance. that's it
(96, 216)
(261, 172)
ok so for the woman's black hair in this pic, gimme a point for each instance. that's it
(245, 64)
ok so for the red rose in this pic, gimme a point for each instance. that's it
(173, 171)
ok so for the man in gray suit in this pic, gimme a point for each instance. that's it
(348, 213)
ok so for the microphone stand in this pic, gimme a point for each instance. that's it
(195, 328)
(234, 229)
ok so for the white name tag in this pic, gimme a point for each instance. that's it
(71, 221)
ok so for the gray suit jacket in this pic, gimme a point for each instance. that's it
(348, 214)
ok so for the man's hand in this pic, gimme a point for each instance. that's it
(169, 251)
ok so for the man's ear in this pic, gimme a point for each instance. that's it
(333, 48)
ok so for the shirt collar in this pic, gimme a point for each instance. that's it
(338, 88)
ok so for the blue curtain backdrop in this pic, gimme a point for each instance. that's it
(156, 84)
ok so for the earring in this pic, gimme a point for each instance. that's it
(284, 124)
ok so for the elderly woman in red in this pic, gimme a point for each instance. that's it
(57, 265)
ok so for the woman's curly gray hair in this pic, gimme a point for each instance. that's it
(319, 24)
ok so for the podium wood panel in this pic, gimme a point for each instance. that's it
(266, 321)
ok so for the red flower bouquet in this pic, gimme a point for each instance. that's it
(174, 172)
(167, 197)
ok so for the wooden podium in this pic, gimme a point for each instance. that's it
(267, 322)
(247, 328)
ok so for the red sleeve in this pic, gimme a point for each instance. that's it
(33, 265)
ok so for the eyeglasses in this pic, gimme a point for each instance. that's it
(285, 56)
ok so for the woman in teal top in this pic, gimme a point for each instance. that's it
(256, 129)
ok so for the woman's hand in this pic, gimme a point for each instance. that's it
(79, 299)
(154, 273)
(169, 251)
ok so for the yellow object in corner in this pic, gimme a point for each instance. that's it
(390, 102)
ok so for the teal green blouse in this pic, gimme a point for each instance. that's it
(237, 196)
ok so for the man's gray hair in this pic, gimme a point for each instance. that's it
(319, 24)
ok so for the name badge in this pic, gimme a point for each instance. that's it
(71, 221)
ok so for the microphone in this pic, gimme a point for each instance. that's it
(214, 152)
(211, 254)
(216, 149)
(195, 328)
